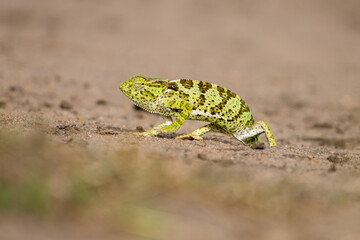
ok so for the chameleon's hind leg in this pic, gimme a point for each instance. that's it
(270, 138)
(196, 134)
(250, 135)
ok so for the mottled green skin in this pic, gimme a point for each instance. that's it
(195, 100)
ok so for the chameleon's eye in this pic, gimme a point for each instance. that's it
(140, 84)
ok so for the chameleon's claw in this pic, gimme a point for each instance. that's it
(189, 137)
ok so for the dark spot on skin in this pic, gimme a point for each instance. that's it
(184, 95)
(244, 105)
(251, 122)
(213, 110)
(235, 118)
(204, 86)
(226, 95)
(221, 90)
(188, 84)
(149, 95)
(201, 100)
(173, 86)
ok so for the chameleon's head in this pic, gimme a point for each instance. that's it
(143, 90)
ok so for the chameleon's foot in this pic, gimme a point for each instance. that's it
(189, 137)
(142, 134)
(162, 128)
(195, 135)
(149, 133)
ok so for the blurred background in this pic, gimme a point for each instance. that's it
(296, 63)
(233, 43)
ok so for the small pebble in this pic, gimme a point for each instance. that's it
(258, 145)
(15, 89)
(140, 129)
(65, 105)
(336, 158)
(332, 168)
(47, 105)
(2, 104)
(101, 102)
(202, 156)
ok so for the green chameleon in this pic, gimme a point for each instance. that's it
(195, 100)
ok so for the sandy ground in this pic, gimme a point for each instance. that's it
(296, 64)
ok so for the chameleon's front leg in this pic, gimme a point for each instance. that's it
(180, 119)
(169, 126)
(154, 131)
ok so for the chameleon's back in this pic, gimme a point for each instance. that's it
(211, 103)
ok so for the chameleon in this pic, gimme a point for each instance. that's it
(184, 99)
